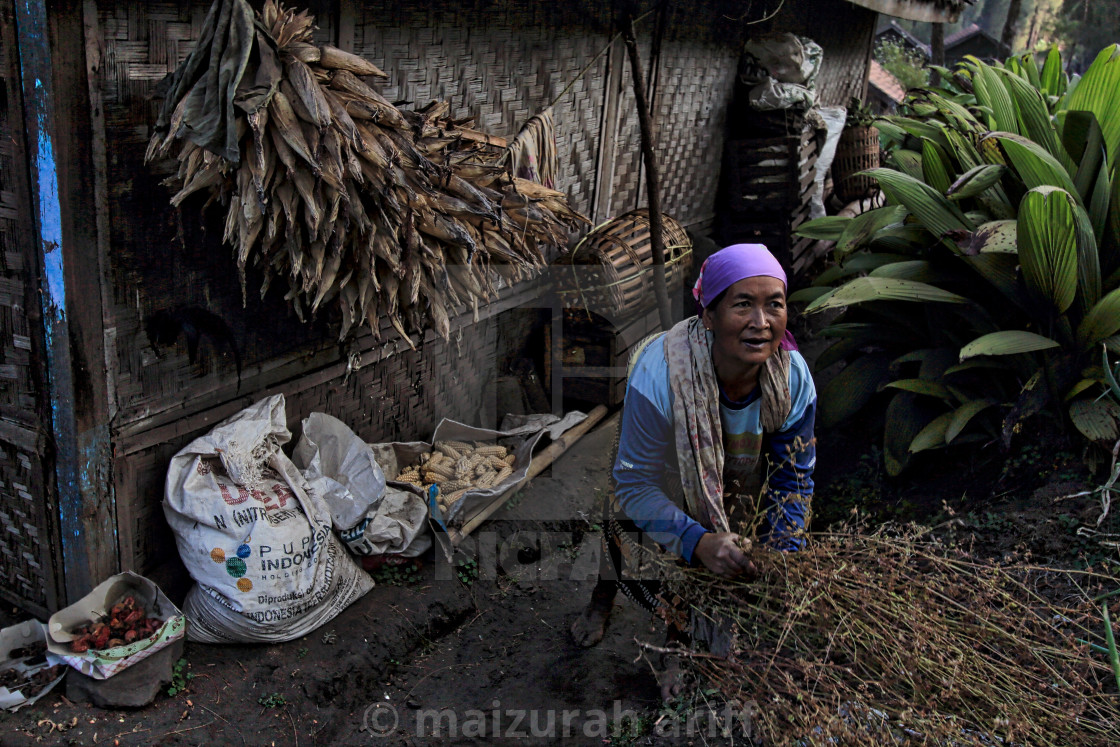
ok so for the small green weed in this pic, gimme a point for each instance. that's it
(467, 571)
(397, 575)
(302, 652)
(180, 677)
(275, 700)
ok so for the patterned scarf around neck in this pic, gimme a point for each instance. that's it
(696, 418)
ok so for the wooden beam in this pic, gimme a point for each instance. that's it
(608, 135)
(57, 123)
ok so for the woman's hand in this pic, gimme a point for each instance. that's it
(720, 554)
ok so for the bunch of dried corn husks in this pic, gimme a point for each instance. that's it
(332, 189)
(890, 638)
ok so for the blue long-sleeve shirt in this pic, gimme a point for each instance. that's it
(647, 455)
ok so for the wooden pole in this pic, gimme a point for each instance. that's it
(937, 50)
(540, 463)
(656, 238)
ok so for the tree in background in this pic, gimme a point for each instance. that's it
(1085, 26)
(905, 64)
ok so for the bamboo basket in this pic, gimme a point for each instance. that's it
(610, 271)
(857, 150)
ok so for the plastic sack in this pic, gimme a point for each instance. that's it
(255, 538)
(834, 118)
(781, 71)
(339, 466)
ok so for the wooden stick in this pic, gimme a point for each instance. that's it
(657, 244)
(540, 463)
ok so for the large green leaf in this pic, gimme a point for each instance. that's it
(1002, 271)
(963, 415)
(1034, 119)
(1098, 420)
(1035, 166)
(852, 388)
(1102, 321)
(963, 150)
(1007, 342)
(1000, 236)
(933, 435)
(1082, 137)
(932, 209)
(805, 295)
(935, 166)
(914, 269)
(827, 228)
(1052, 77)
(1098, 91)
(991, 92)
(866, 289)
(1048, 249)
(975, 180)
(907, 414)
(860, 229)
(907, 161)
(908, 239)
(921, 386)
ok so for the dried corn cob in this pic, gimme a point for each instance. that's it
(498, 451)
(378, 213)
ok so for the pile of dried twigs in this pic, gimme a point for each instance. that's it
(401, 214)
(890, 638)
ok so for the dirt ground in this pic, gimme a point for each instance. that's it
(479, 653)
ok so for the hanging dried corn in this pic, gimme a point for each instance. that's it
(353, 202)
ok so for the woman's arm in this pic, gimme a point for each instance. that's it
(793, 456)
(645, 450)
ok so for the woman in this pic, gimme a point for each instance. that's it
(717, 409)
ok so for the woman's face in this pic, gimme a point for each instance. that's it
(749, 321)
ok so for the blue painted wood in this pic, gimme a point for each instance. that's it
(36, 70)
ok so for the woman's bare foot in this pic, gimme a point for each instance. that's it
(669, 677)
(589, 628)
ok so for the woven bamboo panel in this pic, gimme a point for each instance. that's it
(27, 573)
(400, 398)
(695, 77)
(500, 65)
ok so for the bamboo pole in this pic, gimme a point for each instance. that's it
(540, 463)
(657, 242)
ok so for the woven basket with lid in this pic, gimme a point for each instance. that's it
(610, 271)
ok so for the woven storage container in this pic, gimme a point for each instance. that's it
(857, 150)
(610, 271)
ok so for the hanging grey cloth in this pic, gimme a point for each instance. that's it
(213, 79)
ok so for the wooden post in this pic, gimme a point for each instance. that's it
(57, 122)
(657, 242)
(937, 50)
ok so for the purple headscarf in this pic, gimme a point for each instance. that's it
(732, 264)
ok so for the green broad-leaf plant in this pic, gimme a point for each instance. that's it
(987, 288)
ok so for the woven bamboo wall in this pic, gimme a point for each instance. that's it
(28, 544)
(500, 64)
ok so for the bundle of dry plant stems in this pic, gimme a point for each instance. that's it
(889, 637)
(349, 200)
